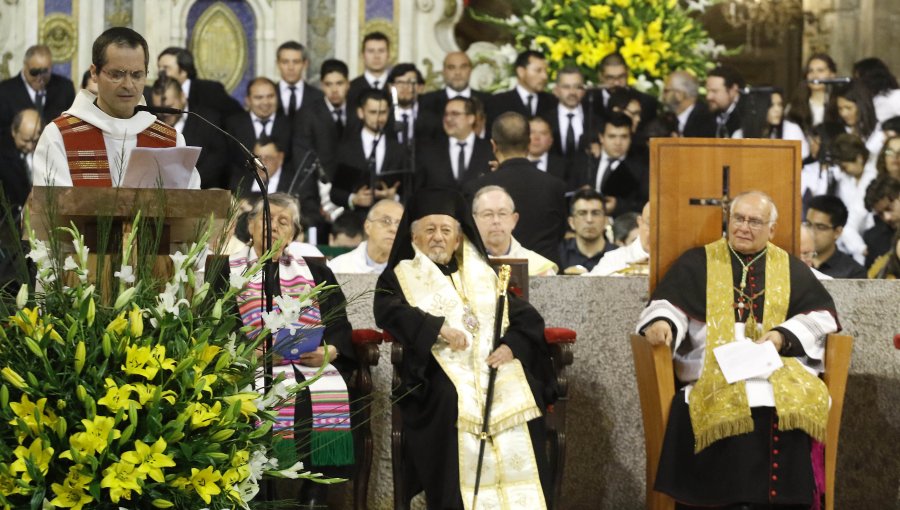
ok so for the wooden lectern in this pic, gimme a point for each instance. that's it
(183, 214)
(686, 170)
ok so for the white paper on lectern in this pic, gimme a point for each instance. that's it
(172, 165)
(744, 359)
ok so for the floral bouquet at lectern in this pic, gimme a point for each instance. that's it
(114, 394)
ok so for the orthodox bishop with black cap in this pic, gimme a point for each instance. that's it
(437, 297)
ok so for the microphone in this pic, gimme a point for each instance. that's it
(165, 110)
(757, 90)
(830, 81)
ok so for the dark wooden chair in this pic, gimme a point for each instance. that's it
(559, 340)
(365, 343)
(656, 386)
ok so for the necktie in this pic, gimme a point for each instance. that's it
(461, 160)
(605, 177)
(404, 134)
(373, 157)
(292, 102)
(721, 127)
(39, 102)
(262, 132)
(376, 84)
(530, 105)
(570, 135)
(339, 122)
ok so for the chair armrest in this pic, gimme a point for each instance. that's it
(367, 336)
(559, 336)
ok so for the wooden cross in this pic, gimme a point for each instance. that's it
(723, 202)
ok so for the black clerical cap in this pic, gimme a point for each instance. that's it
(425, 203)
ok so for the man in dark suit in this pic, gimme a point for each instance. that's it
(680, 97)
(456, 72)
(539, 197)
(408, 121)
(16, 153)
(293, 92)
(376, 57)
(457, 157)
(35, 87)
(528, 97)
(369, 163)
(263, 119)
(178, 63)
(617, 179)
(612, 73)
(573, 125)
(723, 94)
(212, 165)
(539, 151)
(324, 123)
(280, 177)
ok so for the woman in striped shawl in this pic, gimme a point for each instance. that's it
(320, 420)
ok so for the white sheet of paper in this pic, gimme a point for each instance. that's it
(172, 165)
(745, 359)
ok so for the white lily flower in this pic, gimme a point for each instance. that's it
(39, 253)
(698, 5)
(167, 302)
(292, 472)
(69, 264)
(22, 296)
(237, 281)
(126, 274)
(178, 259)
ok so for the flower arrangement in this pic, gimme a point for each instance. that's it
(133, 398)
(655, 37)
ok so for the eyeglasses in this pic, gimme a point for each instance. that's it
(385, 222)
(819, 227)
(491, 215)
(891, 153)
(584, 213)
(118, 75)
(37, 71)
(753, 223)
(808, 255)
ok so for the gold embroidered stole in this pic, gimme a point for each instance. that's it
(718, 409)
(509, 473)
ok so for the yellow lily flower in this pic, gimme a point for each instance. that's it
(204, 483)
(206, 356)
(25, 414)
(118, 324)
(13, 377)
(36, 454)
(117, 397)
(202, 415)
(150, 459)
(136, 320)
(120, 478)
(72, 492)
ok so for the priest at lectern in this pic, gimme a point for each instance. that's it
(747, 322)
(91, 142)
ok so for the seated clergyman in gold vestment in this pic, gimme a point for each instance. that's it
(753, 442)
(438, 298)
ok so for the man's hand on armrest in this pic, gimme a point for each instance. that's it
(659, 332)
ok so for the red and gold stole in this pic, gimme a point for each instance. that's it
(86, 149)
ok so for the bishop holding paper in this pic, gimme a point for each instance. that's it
(746, 442)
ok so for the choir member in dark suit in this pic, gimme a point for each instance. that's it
(539, 150)
(369, 163)
(723, 94)
(293, 92)
(324, 123)
(612, 74)
(539, 197)
(680, 96)
(573, 125)
(376, 57)
(616, 178)
(457, 157)
(16, 153)
(456, 72)
(35, 87)
(178, 63)
(528, 97)
(408, 121)
(263, 119)
(212, 165)
(281, 178)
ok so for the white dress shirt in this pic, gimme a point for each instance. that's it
(271, 186)
(451, 94)
(541, 162)
(258, 127)
(577, 123)
(285, 91)
(524, 95)
(601, 170)
(368, 139)
(371, 78)
(683, 117)
(454, 153)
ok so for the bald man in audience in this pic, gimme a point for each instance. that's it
(456, 72)
(371, 255)
(496, 217)
(680, 96)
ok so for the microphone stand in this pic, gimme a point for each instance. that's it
(269, 270)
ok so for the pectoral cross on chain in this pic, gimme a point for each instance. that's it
(723, 202)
